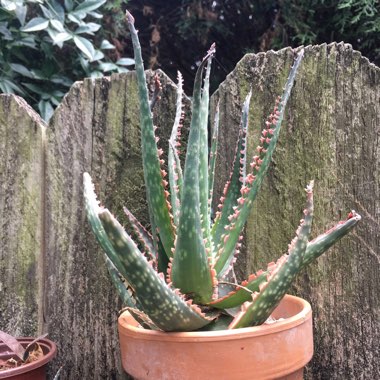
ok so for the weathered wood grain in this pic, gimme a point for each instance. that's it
(331, 134)
(21, 216)
(95, 129)
(52, 272)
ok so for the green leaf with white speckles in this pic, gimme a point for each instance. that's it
(143, 236)
(204, 205)
(242, 293)
(271, 293)
(233, 186)
(92, 210)
(165, 307)
(212, 161)
(191, 272)
(153, 176)
(124, 292)
(314, 249)
(226, 247)
(323, 242)
(174, 164)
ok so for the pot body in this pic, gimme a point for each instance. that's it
(275, 351)
(32, 371)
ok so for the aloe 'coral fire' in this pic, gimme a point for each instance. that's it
(173, 279)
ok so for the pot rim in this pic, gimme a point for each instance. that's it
(46, 344)
(129, 326)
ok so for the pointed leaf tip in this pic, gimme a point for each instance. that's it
(130, 18)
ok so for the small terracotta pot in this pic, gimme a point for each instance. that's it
(274, 351)
(32, 371)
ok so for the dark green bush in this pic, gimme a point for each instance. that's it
(45, 45)
(176, 33)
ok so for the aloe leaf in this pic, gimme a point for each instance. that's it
(220, 323)
(231, 193)
(315, 248)
(323, 242)
(156, 92)
(153, 175)
(143, 236)
(167, 309)
(162, 258)
(175, 180)
(203, 153)
(242, 293)
(280, 279)
(213, 153)
(121, 286)
(174, 163)
(141, 318)
(191, 271)
(113, 261)
(92, 210)
(254, 179)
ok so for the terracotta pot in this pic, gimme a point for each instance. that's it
(274, 351)
(32, 371)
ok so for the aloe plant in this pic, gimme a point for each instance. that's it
(174, 278)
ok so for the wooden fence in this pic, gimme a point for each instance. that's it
(52, 272)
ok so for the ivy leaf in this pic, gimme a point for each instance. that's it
(20, 12)
(58, 10)
(106, 45)
(74, 18)
(96, 74)
(98, 55)
(60, 79)
(35, 24)
(107, 66)
(60, 37)
(6, 34)
(28, 41)
(46, 109)
(89, 28)
(89, 5)
(69, 5)
(85, 46)
(47, 13)
(9, 5)
(125, 62)
(21, 69)
(57, 25)
(32, 87)
(9, 87)
(95, 15)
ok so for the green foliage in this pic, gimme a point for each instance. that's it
(200, 246)
(176, 33)
(45, 45)
(315, 21)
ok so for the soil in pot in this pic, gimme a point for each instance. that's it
(34, 369)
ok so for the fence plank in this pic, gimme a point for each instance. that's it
(96, 129)
(21, 210)
(331, 133)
